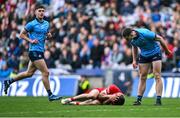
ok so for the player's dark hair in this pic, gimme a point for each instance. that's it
(120, 100)
(126, 32)
(38, 6)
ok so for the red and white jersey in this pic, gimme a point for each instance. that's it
(112, 89)
(109, 90)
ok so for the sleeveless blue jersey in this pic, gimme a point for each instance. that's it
(146, 42)
(37, 30)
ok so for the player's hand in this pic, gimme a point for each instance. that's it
(168, 53)
(102, 96)
(35, 41)
(134, 64)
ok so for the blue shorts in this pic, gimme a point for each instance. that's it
(150, 59)
(35, 55)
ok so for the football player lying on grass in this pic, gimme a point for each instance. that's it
(98, 96)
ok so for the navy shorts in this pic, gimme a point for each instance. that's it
(35, 55)
(150, 59)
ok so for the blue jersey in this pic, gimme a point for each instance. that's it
(37, 30)
(146, 42)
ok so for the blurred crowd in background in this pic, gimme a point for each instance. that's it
(87, 33)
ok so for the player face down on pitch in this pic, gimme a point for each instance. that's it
(111, 95)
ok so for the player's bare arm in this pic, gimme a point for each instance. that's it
(108, 99)
(163, 44)
(24, 36)
(134, 55)
(106, 102)
(105, 97)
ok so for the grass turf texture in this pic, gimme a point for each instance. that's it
(41, 107)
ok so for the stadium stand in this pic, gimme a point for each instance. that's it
(85, 37)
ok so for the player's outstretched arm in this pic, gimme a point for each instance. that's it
(103, 96)
(107, 102)
(107, 99)
(163, 44)
(23, 35)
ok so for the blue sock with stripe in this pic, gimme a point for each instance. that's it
(158, 98)
(11, 81)
(49, 92)
(139, 98)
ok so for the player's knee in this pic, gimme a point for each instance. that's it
(91, 96)
(143, 76)
(157, 75)
(45, 73)
(96, 102)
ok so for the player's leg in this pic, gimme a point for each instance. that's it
(91, 95)
(92, 102)
(159, 85)
(87, 102)
(143, 71)
(41, 65)
(28, 73)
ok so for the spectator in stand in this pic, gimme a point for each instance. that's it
(127, 57)
(117, 56)
(13, 62)
(107, 58)
(13, 38)
(127, 8)
(75, 59)
(13, 49)
(97, 51)
(84, 53)
(87, 20)
(49, 61)
(65, 57)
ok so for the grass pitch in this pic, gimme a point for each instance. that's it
(41, 107)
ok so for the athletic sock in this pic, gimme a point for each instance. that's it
(139, 98)
(77, 103)
(72, 99)
(11, 81)
(158, 98)
(49, 92)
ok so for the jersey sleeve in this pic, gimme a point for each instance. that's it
(28, 27)
(149, 34)
(112, 89)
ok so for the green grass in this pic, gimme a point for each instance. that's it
(40, 106)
